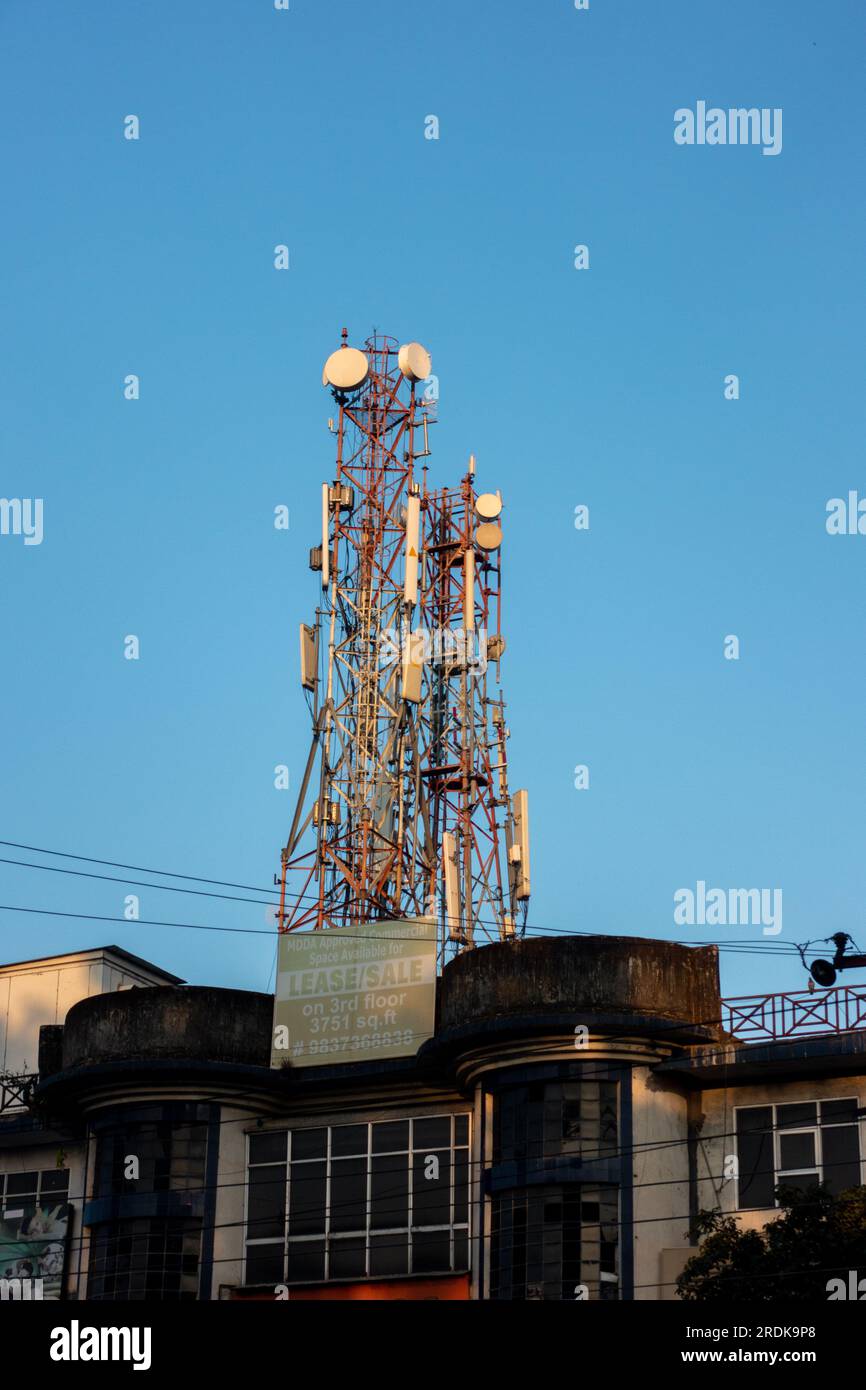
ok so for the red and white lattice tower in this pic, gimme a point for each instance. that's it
(404, 809)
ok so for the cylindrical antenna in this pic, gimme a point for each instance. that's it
(326, 555)
(469, 589)
(413, 527)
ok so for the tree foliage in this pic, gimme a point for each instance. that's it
(816, 1237)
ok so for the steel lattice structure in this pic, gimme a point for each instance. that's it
(404, 809)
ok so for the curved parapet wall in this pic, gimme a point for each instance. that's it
(500, 1004)
(654, 987)
(182, 1023)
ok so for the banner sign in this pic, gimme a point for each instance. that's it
(33, 1252)
(349, 994)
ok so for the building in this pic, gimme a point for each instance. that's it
(580, 1099)
(41, 1162)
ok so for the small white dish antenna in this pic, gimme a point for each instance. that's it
(414, 361)
(346, 369)
(488, 506)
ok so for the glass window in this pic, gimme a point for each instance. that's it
(17, 1183)
(392, 1136)
(308, 1194)
(155, 1257)
(359, 1201)
(55, 1180)
(389, 1192)
(432, 1134)
(431, 1188)
(148, 1258)
(797, 1145)
(266, 1212)
(268, 1148)
(348, 1204)
(349, 1258)
(461, 1186)
(838, 1112)
(553, 1242)
(389, 1254)
(308, 1143)
(756, 1161)
(265, 1264)
(348, 1139)
(431, 1251)
(548, 1119)
(169, 1153)
(796, 1116)
(840, 1149)
(306, 1260)
(796, 1151)
(24, 1193)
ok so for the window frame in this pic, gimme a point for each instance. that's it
(781, 1175)
(606, 1283)
(578, 1147)
(40, 1197)
(369, 1232)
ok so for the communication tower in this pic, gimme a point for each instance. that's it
(404, 809)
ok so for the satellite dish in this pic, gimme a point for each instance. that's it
(346, 369)
(488, 506)
(488, 536)
(414, 361)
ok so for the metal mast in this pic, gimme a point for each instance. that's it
(405, 790)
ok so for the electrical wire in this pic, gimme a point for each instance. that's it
(326, 1236)
(332, 1208)
(769, 948)
(730, 948)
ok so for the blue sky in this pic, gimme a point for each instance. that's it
(602, 387)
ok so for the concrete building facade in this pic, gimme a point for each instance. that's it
(579, 1102)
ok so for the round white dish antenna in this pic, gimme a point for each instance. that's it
(488, 506)
(488, 536)
(414, 361)
(346, 369)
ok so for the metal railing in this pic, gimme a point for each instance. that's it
(796, 1014)
(16, 1090)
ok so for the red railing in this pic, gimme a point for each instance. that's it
(797, 1014)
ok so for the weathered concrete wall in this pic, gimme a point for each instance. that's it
(176, 1021)
(660, 1169)
(718, 1145)
(231, 1195)
(50, 1048)
(596, 975)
